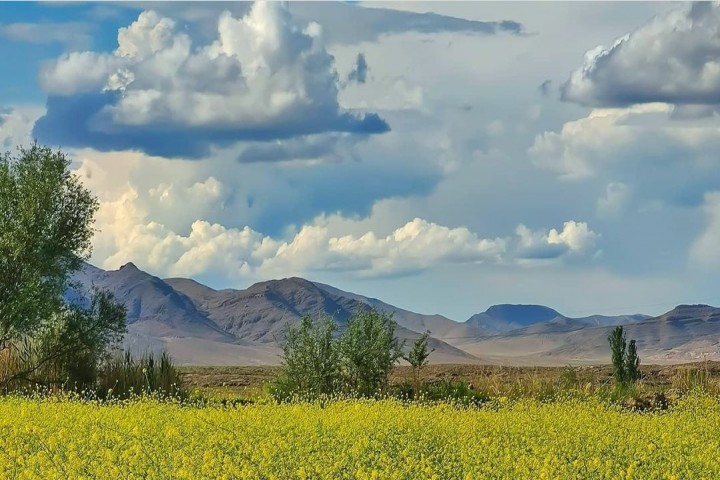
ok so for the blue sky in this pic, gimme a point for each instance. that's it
(441, 156)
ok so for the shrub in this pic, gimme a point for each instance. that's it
(311, 362)
(368, 350)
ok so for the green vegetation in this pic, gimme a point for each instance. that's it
(625, 360)
(46, 343)
(124, 377)
(318, 363)
(418, 358)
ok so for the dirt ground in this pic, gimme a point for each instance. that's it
(672, 376)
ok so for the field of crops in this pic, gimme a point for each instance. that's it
(48, 439)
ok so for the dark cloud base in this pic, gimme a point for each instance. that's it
(83, 121)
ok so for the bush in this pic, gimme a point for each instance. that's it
(311, 362)
(317, 363)
(368, 350)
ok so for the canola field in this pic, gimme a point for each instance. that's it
(53, 439)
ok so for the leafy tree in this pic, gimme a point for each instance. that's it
(311, 363)
(368, 350)
(77, 340)
(618, 345)
(625, 360)
(417, 357)
(632, 363)
(46, 218)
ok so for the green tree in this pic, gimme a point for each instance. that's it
(74, 342)
(632, 363)
(618, 345)
(310, 363)
(417, 357)
(368, 351)
(625, 360)
(46, 219)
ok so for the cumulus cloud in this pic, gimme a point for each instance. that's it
(675, 58)
(575, 238)
(351, 22)
(16, 126)
(263, 78)
(128, 232)
(636, 145)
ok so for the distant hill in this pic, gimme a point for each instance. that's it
(261, 312)
(440, 327)
(199, 325)
(686, 333)
(202, 326)
(502, 319)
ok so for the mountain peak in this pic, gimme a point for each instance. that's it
(519, 312)
(129, 266)
(692, 307)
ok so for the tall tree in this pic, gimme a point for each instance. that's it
(618, 344)
(46, 218)
(417, 357)
(632, 363)
(46, 226)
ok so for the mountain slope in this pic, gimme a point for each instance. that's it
(153, 307)
(440, 327)
(503, 319)
(686, 333)
(261, 312)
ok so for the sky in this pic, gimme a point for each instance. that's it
(440, 156)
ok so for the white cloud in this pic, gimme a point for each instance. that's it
(675, 58)
(128, 233)
(575, 238)
(16, 126)
(261, 70)
(626, 140)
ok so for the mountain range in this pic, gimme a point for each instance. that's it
(199, 325)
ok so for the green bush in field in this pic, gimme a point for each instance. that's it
(316, 362)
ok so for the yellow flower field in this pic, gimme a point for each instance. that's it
(53, 439)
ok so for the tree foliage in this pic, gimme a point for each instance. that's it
(625, 360)
(46, 226)
(46, 218)
(311, 363)
(632, 363)
(417, 357)
(368, 351)
(618, 345)
(318, 362)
